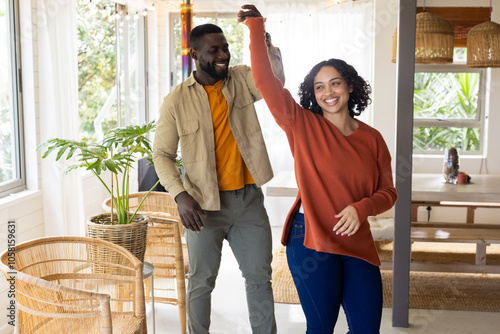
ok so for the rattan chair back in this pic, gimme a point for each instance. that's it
(60, 287)
(165, 249)
(156, 201)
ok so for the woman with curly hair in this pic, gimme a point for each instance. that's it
(359, 97)
(343, 172)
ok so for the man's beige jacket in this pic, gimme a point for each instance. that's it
(185, 117)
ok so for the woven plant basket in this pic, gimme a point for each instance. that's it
(483, 45)
(434, 39)
(155, 202)
(130, 236)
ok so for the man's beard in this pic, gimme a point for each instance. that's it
(210, 70)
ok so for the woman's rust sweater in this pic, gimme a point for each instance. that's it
(332, 170)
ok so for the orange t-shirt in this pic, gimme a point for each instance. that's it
(232, 173)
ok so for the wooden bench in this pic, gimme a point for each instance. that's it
(482, 235)
(471, 207)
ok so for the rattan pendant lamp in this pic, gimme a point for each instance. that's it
(483, 44)
(434, 40)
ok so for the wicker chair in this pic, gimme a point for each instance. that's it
(76, 285)
(164, 249)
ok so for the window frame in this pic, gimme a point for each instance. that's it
(18, 183)
(130, 27)
(481, 115)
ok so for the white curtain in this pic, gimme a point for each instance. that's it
(154, 100)
(307, 33)
(58, 98)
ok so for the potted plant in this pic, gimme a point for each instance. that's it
(116, 152)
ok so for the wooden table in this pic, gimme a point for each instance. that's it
(427, 190)
(430, 190)
(430, 187)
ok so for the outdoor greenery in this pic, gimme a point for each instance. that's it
(97, 58)
(233, 30)
(116, 152)
(446, 97)
(96, 63)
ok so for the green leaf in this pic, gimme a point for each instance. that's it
(111, 166)
(49, 150)
(61, 151)
(71, 151)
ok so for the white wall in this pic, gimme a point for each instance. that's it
(384, 72)
(27, 212)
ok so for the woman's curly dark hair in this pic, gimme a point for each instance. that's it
(359, 99)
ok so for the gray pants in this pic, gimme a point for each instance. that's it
(243, 221)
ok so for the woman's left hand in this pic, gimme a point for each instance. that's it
(348, 222)
(248, 11)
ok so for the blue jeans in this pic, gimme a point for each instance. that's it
(326, 281)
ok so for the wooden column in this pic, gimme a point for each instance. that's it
(404, 142)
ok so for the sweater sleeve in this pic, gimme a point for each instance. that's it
(385, 194)
(279, 100)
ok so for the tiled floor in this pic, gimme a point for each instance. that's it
(230, 316)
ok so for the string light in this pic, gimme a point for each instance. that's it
(332, 4)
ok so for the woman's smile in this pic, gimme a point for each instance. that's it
(331, 90)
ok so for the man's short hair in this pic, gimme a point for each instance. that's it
(199, 31)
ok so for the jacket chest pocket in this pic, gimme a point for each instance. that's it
(191, 140)
(244, 101)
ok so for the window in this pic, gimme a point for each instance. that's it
(449, 100)
(11, 136)
(449, 108)
(111, 67)
(233, 30)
